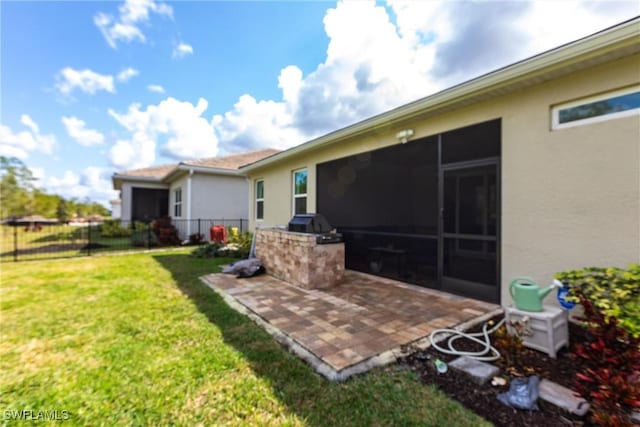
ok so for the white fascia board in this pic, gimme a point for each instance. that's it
(118, 179)
(530, 70)
(183, 169)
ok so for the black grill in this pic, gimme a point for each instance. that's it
(314, 224)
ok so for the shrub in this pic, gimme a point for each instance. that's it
(238, 246)
(139, 226)
(144, 238)
(613, 291)
(208, 250)
(611, 357)
(240, 243)
(164, 230)
(113, 228)
(196, 239)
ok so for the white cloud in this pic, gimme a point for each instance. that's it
(37, 173)
(127, 74)
(369, 68)
(155, 88)
(255, 124)
(21, 144)
(77, 130)
(182, 50)
(85, 80)
(92, 182)
(124, 154)
(28, 122)
(383, 56)
(178, 126)
(126, 26)
(471, 38)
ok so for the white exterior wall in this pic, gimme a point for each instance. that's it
(208, 197)
(219, 197)
(116, 209)
(126, 195)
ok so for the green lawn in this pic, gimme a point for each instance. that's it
(138, 340)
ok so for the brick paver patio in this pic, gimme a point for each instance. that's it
(363, 322)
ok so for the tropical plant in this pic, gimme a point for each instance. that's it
(611, 356)
(613, 291)
(241, 243)
(165, 231)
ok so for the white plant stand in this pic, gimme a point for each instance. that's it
(549, 328)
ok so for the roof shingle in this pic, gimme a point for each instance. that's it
(231, 162)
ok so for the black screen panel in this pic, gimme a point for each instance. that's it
(472, 142)
(385, 202)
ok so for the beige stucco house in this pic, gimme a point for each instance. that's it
(526, 171)
(205, 189)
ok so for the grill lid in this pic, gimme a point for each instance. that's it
(309, 223)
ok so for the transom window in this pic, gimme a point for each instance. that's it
(300, 191)
(260, 199)
(611, 105)
(177, 202)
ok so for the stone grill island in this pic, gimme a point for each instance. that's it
(298, 258)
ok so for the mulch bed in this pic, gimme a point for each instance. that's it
(483, 399)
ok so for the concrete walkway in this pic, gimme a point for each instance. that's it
(364, 322)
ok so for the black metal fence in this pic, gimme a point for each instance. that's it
(39, 241)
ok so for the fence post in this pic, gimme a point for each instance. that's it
(199, 233)
(149, 235)
(15, 243)
(89, 239)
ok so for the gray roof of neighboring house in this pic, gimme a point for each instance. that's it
(234, 161)
(224, 164)
(151, 172)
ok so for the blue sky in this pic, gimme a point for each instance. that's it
(90, 88)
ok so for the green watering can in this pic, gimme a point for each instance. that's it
(527, 295)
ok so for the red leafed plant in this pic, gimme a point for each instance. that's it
(165, 231)
(611, 379)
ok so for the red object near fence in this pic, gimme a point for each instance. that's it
(218, 233)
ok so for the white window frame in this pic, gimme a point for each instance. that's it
(293, 190)
(177, 202)
(259, 199)
(555, 110)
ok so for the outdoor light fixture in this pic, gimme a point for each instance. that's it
(404, 135)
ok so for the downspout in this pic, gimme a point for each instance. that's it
(189, 203)
(250, 211)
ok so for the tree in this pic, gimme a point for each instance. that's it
(45, 204)
(62, 211)
(19, 197)
(16, 186)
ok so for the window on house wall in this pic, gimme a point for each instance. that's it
(300, 191)
(260, 199)
(177, 203)
(610, 105)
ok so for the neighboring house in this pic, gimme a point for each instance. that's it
(526, 171)
(116, 208)
(210, 189)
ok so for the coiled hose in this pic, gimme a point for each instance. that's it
(456, 335)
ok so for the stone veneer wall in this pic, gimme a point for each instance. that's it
(296, 258)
